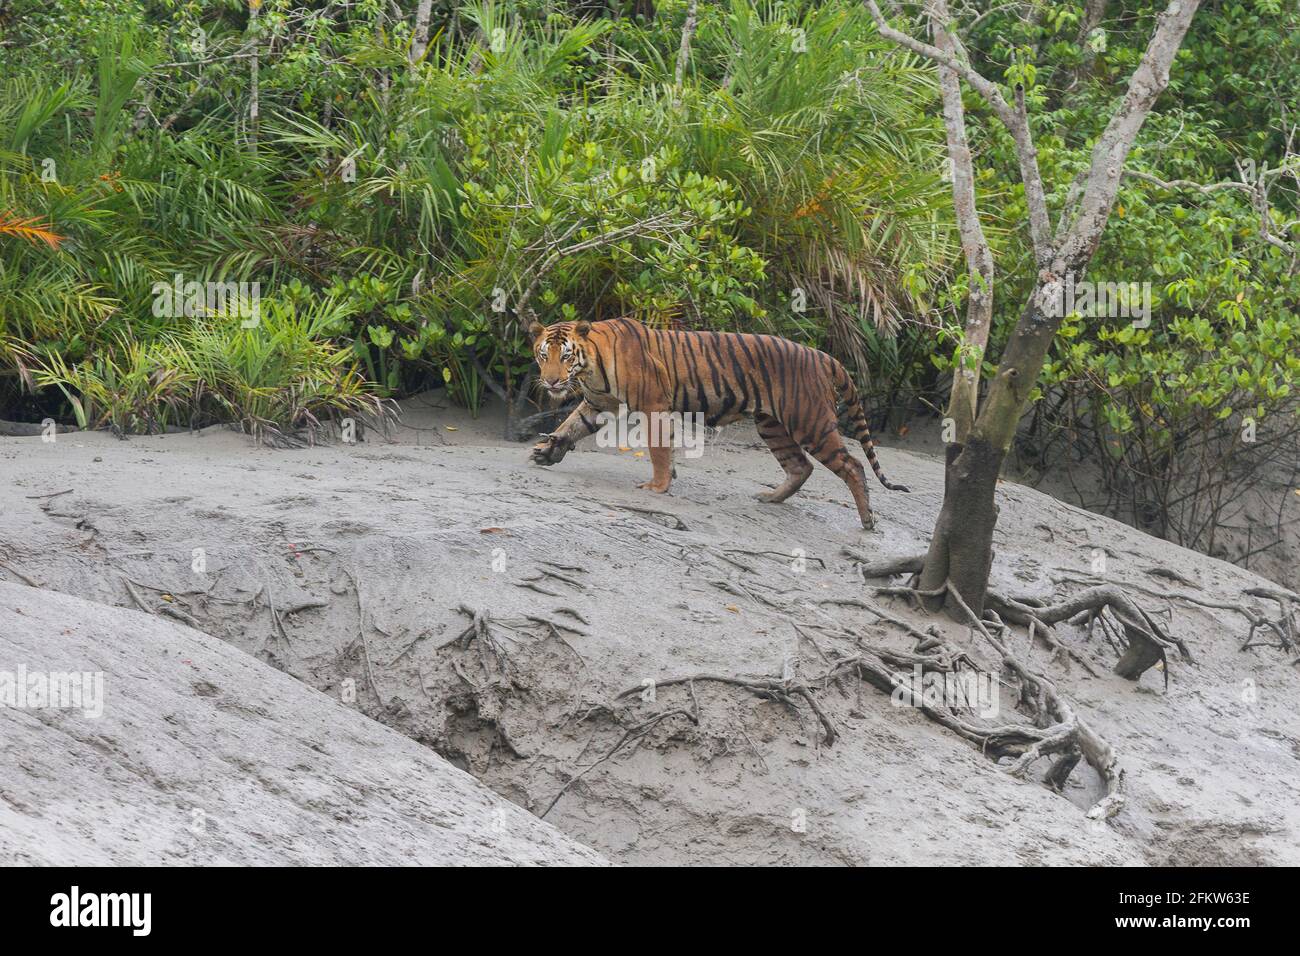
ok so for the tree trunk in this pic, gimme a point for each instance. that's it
(420, 38)
(1093, 13)
(684, 54)
(254, 104)
(961, 549)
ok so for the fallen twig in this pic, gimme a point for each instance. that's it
(18, 574)
(52, 494)
(672, 522)
(885, 568)
(635, 733)
(361, 634)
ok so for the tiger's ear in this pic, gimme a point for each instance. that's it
(582, 328)
(535, 331)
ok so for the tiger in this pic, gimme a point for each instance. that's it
(790, 390)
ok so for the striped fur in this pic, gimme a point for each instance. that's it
(791, 391)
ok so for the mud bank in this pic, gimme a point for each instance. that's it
(185, 750)
(536, 627)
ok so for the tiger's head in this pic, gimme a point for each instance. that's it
(562, 352)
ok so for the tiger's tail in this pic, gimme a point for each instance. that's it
(857, 418)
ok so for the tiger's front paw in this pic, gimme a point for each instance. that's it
(550, 450)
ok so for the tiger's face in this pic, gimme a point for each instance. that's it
(561, 351)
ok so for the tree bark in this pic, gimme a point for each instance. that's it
(420, 41)
(254, 102)
(964, 398)
(961, 548)
(684, 53)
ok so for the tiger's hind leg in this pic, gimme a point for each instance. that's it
(793, 460)
(825, 443)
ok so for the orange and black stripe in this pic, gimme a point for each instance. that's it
(790, 390)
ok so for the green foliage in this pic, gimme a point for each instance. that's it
(1220, 358)
(529, 163)
(275, 379)
(405, 221)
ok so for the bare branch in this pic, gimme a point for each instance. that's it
(979, 258)
(1111, 152)
(1256, 186)
(684, 54)
(1014, 120)
(978, 83)
(1173, 185)
(662, 223)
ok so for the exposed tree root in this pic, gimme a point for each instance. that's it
(543, 574)
(361, 636)
(1057, 731)
(494, 659)
(1284, 628)
(1146, 641)
(664, 519)
(633, 734)
(768, 688)
(496, 680)
(1141, 641)
(869, 568)
(1069, 736)
(748, 590)
(780, 556)
(1054, 731)
(531, 586)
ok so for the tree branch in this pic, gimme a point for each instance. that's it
(684, 54)
(1014, 120)
(964, 397)
(1111, 152)
(420, 40)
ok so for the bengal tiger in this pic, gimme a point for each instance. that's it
(790, 390)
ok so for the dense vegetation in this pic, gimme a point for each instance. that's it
(402, 208)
